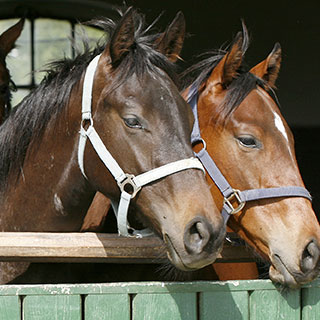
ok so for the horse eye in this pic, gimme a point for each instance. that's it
(249, 142)
(133, 123)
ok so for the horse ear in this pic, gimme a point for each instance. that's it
(171, 41)
(9, 37)
(226, 70)
(123, 37)
(269, 68)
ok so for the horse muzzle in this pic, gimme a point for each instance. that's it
(295, 276)
(201, 245)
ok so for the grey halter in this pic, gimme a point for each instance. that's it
(231, 195)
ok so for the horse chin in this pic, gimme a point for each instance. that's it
(174, 256)
(279, 273)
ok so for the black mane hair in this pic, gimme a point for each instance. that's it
(27, 122)
(8, 97)
(239, 88)
(8, 89)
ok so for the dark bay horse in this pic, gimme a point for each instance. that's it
(253, 147)
(140, 117)
(7, 42)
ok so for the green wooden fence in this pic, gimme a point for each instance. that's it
(256, 299)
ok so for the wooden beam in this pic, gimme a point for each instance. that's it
(94, 247)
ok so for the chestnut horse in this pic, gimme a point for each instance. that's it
(7, 41)
(253, 147)
(138, 122)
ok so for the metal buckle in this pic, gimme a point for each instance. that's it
(86, 123)
(129, 181)
(234, 196)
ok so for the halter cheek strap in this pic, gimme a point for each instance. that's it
(124, 180)
(234, 200)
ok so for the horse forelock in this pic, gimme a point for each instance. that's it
(199, 72)
(28, 121)
(237, 92)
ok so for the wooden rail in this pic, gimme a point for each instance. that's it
(94, 247)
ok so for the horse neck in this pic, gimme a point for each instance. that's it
(51, 193)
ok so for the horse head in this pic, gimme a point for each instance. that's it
(145, 124)
(253, 147)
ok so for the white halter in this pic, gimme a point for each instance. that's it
(123, 179)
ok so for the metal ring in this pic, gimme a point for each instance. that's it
(129, 181)
(83, 123)
(204, 144)
(200, 140)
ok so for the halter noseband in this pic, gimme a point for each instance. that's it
(135, 183)
(231, 195)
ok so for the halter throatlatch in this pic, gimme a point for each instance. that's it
(234, 200)
(124, 180)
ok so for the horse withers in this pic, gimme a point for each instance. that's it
(140, 120)
(253, 147)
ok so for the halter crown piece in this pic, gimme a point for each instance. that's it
(123, 179)
(234, 200)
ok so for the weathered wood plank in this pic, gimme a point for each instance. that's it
(145, 287)
(93, 247)
(310, 303)
(107, 307)
(10, 308)
(78, 247)
(224, 305)
(174, 306)
(275, 305)
(62, 307)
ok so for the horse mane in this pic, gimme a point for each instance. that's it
(11, 87)
(28, 121)
(239, 88)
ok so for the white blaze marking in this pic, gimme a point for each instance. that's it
(280, 126)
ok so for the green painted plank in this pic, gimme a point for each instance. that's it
(224, 305)
(144, 287)
(175, 306)
(54, 307)
(10, 308)
(310, 303)
(107, 307)
(138, 287)
(313, 284)
(275, 305)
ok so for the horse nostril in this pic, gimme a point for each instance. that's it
(310, 257)
(197, 235)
